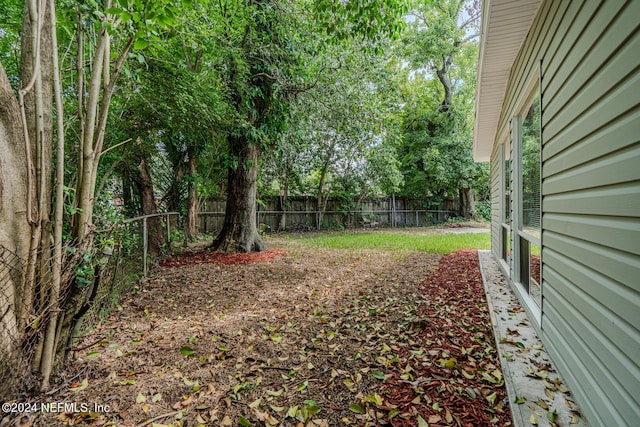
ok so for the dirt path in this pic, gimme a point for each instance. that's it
(314, 337)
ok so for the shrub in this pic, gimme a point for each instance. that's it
(483, 210)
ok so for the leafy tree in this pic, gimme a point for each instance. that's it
(350, 119)
(441, 48)
(31, 148)
(336, 120)
(174, 112)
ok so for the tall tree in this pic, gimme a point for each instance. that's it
(258, 54)
(263, 50)
(441, 48)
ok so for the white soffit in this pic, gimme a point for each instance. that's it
(505, 24)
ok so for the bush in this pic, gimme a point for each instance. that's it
(483, 210)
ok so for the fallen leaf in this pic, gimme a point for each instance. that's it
(378, 375)
(76, 387)
(541, 403)
(187, 351)
(492, 398)
(434, 419)
(354, 407)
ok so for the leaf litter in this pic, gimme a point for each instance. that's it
(310, 337)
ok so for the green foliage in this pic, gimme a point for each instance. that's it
(442, 243)
(483, 210)
(342, 130)
(371, 19)
(10, 24)
(439, 94)
(316, 85)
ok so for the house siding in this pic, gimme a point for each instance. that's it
(589, 58)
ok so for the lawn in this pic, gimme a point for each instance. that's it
(434, 242)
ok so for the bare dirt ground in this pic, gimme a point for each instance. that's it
(312, 337)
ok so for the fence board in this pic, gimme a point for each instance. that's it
(301, 213)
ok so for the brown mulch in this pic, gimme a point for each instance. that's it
(206, 257)
(310, 338)
(455, 374)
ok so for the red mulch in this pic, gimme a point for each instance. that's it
(222, 258)
(454, 369)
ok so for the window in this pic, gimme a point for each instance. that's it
(531, 146)
(529, 201)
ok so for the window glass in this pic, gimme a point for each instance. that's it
(507, 183)
(531, 149)
(534, 275)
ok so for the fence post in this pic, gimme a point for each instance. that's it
(417, 220)
(144, 246)
(168, 231)
(393, 211)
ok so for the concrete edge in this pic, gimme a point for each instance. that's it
(516, 415)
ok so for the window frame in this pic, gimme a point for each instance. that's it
(521, 241)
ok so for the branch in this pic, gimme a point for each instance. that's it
(469, 37)
(115, 146)
(293, 89)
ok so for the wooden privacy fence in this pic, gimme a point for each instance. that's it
(301, 213)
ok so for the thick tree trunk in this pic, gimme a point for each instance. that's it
(148, 204)
(15, 230)
(239, 232)
(467, 203)
(191, 226)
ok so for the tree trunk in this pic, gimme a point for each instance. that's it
(37, 103)
(282, 225)
(445, 80)
(239, 232)
(191, 225)
(148, 204)
(15, 230)
(174, 193)
(49, 342)
(467, 203)
(322, 201)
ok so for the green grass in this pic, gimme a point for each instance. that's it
(435, 243)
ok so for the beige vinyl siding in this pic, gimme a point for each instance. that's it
(589, 56)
